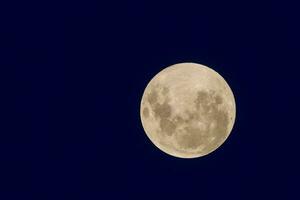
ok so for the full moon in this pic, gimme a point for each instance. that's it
(187, 110)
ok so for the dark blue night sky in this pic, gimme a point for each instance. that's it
(73, 76)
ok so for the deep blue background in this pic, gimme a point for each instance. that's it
(73, 77)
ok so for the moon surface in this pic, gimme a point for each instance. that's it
(187, 110)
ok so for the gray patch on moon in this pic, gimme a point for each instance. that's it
(165, 90)
(162, 112)
(192, 138)
(207, 112)
(178, 120)
(146, 112)
(192, 116)
(219, 100)
(152, 97)
(167, 126)
(201, 99)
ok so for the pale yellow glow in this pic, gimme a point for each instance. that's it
(187, 110)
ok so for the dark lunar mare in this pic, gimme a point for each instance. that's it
(206, 108)
(162, 111)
